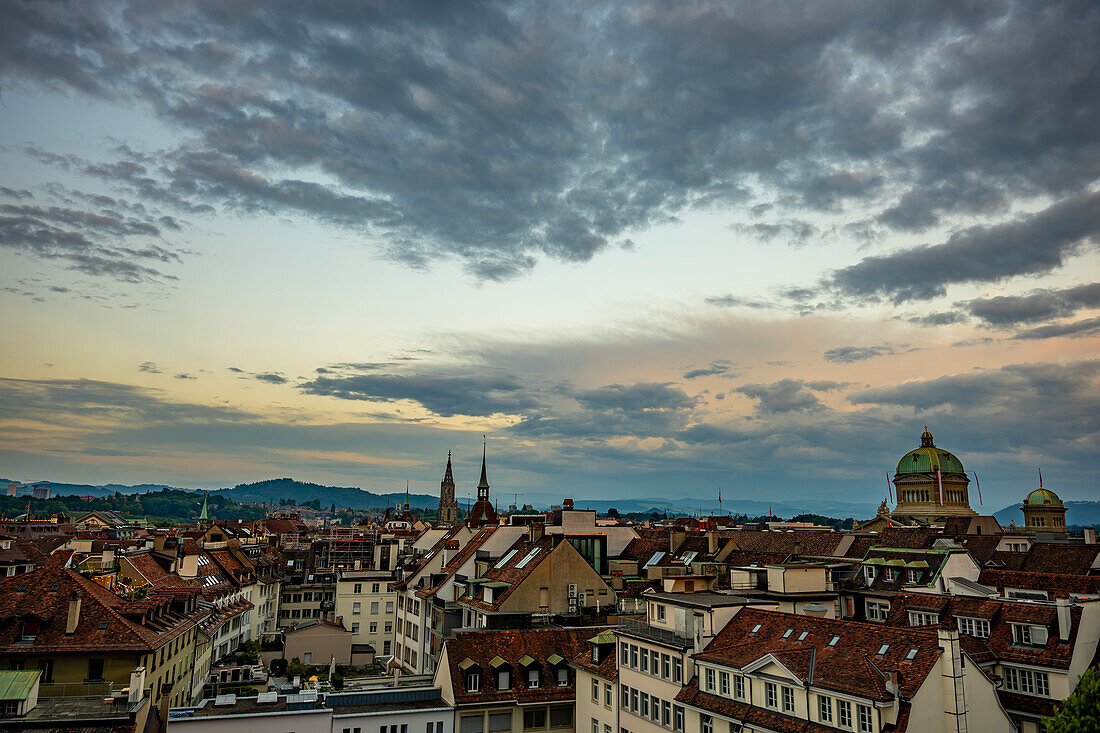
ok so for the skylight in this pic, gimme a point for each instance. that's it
(755, 628)
(654, 559)
(882, 650)
(787, 633)
(528, 558)
(504, 560)
(911, 655)
(803, 635)
(834, 640)
(689, 556)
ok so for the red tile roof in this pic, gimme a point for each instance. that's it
(851, 666)
(1057, 585)
(512, 645)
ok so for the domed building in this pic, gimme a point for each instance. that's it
(482, 513)
(931, 483)
(1044, 511)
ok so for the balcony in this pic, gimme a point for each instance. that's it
(661, 635)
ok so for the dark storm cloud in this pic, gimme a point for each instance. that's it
(1028, 245)
(444, 392)
(642, 409)
(852, 354)
(1038, 305)
(501, 133)
(788, 395)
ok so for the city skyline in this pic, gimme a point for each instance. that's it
(643, 249)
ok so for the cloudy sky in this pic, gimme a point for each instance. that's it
(648, 249)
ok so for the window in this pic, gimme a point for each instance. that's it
(1021, 634)
(534, 719)
(660, 612)
(825, 709)
(755, 628)
(504, 679)
(374, 627)
(374, 608)
(844, 713)
(563, 677)
(882, 650)
(532, 679)
(865, 720)
(724, 684)
(710, 680)
(655, 663)
(357, 588)
(677, 718)
(802, 636)
(355, 627)
(389, 627)
(666, 666)
(624, 697)
(923, 618)
(595, 691)
(914, 576)
(633, 656)
(677, 670)
(788, 699)
(561, 716)
(356, 607)
(473, 682)
(624, 653)
(472, 724)
(389, 606)
(877, 610)
(607, 695)
(771, 695)
(787, 633)
(1027, 681)
(833, 641)
(499, 722)
(645, 661)
(30, 631)
(739, 687)
(707, 723)
(645, 704)
(911, 655)
(95, 669)
(869, 573)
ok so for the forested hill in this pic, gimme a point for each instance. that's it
(272, 491)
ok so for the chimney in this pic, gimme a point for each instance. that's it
(712, 541)
(537, 530)
(952, 678)
(1065, 620)
(137, 685)
(893, 682)
(1090, 536)
(697, 624)
(165, 703)
(676, 538)
(74, 613)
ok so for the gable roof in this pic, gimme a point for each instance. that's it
(1057, 585)
(851, 666)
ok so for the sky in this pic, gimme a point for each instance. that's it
(646, 249)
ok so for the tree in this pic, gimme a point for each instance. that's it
(1080, 712)
(613, 512)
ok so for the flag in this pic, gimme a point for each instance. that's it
(939, 484)
(978, 484)
(1040, 478)
(889, 487)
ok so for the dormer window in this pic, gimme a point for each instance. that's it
(563, 676)
(504, 679)
(532, 679)
(30, 630)
(473, 681)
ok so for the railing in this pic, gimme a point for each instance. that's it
(51, 690)
(654, 633)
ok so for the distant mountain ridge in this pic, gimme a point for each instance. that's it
(271, 491)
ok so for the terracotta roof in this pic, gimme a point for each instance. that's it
(1058, 558)
(481, 647)
(607, 668)
(851, 666)
(1026, 703)
(146, 566)
(1001, 614)
(1057, 585)
(107, 621)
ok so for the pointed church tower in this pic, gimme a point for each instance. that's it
(204, 516)
(448, 507)
(482, 512)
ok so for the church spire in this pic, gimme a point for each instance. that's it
(204, 516)
(483, 485)
(406, 495)
(448, 476)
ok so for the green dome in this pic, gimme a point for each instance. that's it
(928, 458)
(1042, 497)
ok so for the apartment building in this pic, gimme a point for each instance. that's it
(776, 671)
(512, 680)
(655, 654)
(367, 606)
(547, 576)
(1037, 649)
(597, 697)
(83, 635)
